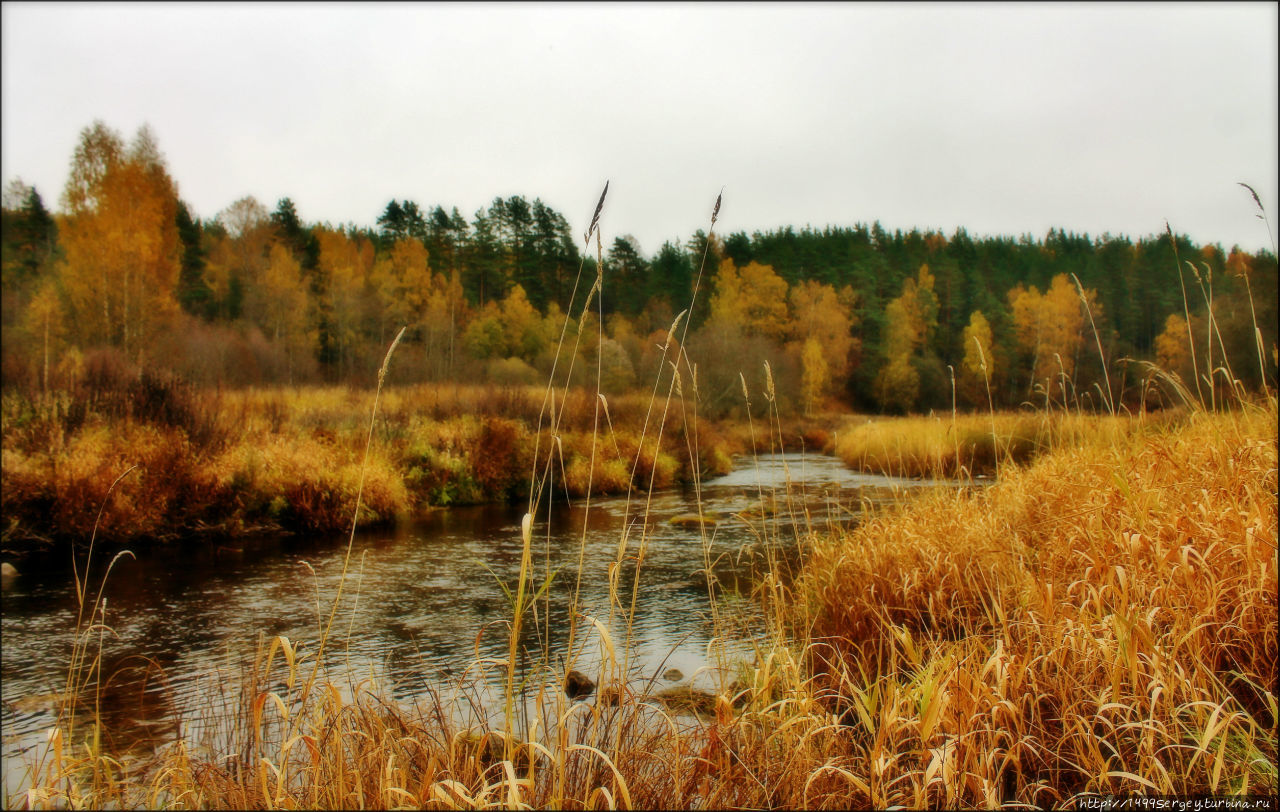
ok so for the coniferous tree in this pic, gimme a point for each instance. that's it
(391, 222)
(626, 280)
(671, 277)
(193, 292)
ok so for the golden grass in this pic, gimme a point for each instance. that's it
(967, 445)
(1104, 621)
(1100, 621)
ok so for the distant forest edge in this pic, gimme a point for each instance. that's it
(877, 321)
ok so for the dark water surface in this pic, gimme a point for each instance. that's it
(422, 604)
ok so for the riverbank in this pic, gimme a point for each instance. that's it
(946, 446)
(184, 464)
(1102, 621)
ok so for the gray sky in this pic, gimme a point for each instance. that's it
(1002, 119)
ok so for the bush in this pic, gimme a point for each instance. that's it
(498, 460)
(511, 372)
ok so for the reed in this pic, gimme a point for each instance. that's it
(968, 445)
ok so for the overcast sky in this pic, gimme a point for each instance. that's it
(1002, 119)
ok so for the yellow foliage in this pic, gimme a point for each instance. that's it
(819, 313)
(898, 384)
(121, 247)
(1050, 327)
(1173, 350)
(522, 325)
(910, 321)
(815, 374)
(346, 264)
(284, 294)
(978, 367)
(753, 298)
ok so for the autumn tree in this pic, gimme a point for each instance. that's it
(122, 251)
(445, 309)
(522, 326)
(44, 322)
(347, 264)
(302, 241)
(285, 303)
(978, 367)
(237, 258)
(402, 280)
(753, 298)
(1173, 352)
(1247, 316)
(910, 320)
(484, 337)
(898, 383)
(1049, 329)
(822, 336)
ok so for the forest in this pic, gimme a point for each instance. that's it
(124, 273)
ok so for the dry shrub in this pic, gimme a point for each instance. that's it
(308, 484)
(648, 465)
(498, 460)
(61, 491)
(511, 372)
(815, 439)
(224, 355)
(607, 476)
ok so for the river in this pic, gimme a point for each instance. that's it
(422, 604)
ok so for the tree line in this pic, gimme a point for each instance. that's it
(894, 322)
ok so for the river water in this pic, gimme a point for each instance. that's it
(423, 605)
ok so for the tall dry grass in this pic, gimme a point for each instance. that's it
(1102, 619)
(964, 446)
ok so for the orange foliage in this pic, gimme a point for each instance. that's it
(121, 243)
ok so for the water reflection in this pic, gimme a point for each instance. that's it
(424, 603)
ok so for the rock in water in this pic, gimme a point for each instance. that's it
(578, 685)
(610, 695)
(673, 675)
